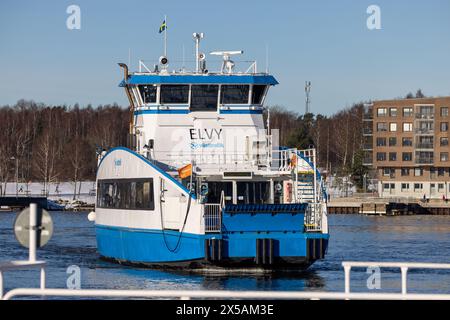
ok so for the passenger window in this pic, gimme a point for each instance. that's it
(126, 194)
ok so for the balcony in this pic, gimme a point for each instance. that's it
(424, 131)
(424, 145)
(424, 116)
(367, 131)
(424, 160)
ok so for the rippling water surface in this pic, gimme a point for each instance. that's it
(353, 238)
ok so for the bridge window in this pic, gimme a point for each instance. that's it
(204, 97)
(234, 94)
(253, 192)
(126, 194)
(148, 93)
(258, 94)
(174, 94)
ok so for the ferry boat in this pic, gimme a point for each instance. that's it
(203, 183)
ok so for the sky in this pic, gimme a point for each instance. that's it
(325, 42)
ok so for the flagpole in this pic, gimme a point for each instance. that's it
(165, 36)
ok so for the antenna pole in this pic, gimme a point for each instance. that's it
(308, 101)
(197, 37)
(267, 58)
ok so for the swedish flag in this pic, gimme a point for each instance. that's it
(163, 26)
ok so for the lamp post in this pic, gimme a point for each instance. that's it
(17, 175)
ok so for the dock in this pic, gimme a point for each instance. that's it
(390, 207)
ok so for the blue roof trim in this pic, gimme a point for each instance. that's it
(165, 174)
(161, 112)
(241, 112)
(200, 79)
(187, 112)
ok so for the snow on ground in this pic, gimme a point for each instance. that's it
(56, 191)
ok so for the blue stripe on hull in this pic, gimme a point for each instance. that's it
(148, 246)
(139, 245)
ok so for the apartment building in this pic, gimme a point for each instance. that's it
(406, 142)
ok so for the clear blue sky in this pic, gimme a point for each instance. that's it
(326, 42)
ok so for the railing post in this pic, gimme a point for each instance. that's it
(33, 233)
(347, 269)
(404, 279)
(42, 277)
(1, 284)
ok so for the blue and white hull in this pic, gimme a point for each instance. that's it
(267, 236)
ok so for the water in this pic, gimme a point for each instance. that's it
(353, 237)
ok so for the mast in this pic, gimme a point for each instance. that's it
(165, 36)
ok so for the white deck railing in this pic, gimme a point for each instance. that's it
(196, 294)
(213, 217)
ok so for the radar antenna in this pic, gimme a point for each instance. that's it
(227, 64)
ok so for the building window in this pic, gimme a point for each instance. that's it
(405, 186)
(204, 97)
(444, 156)
(234, 94)
(386, 186)
(130, 194)
(407, 156)
(441, 172)
(432, 173)
(407, 112)
(444, 111)
(407, 127)
(418, 186)
(441, 187)
(392, 156)
(381, 156)
(392, 141)
(418, 172)
(381, 126)
(393, 112)
(444, 126)
(405, 172)
(381, 142)
(407, 142)
(148, 93)
(444, 141)
(177, 94)
(381, 112)
(393, 127)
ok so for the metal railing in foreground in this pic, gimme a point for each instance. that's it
(404, 267)
(219, 294)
